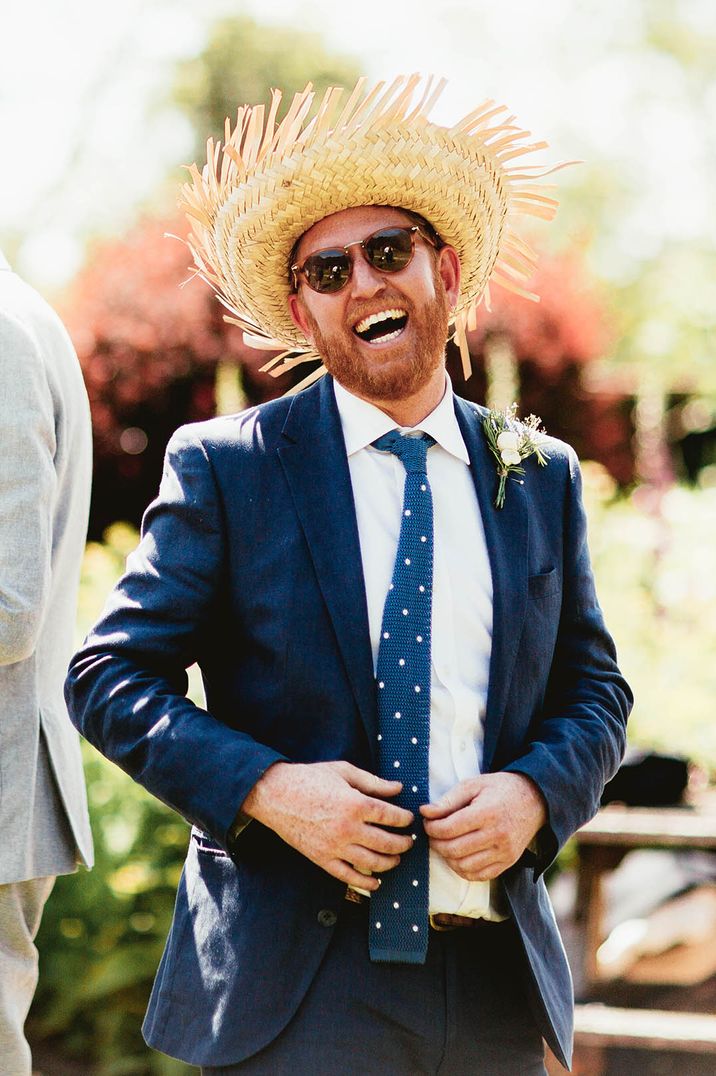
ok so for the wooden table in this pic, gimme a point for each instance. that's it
(616, 830)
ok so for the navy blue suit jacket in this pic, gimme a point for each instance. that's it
(250, 565)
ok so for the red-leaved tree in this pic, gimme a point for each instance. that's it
(150, 337)
(553, 344)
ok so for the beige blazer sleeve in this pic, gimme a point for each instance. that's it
(45, 473)
(28, 488)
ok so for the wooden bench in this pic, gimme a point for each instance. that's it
(598, 1027)
(603, 843)
(645, 1029)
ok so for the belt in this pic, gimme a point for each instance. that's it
(438, 920)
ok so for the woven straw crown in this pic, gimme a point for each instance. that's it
(272, 181)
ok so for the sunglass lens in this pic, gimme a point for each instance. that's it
(389, 250)
(327, 271)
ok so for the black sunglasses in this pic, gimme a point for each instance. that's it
(388, 250)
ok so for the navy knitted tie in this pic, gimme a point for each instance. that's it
(399, 908)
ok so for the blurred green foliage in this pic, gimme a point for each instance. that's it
(656, 576)
(103, 932)
(242, 61)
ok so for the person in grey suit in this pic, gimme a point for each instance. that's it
(45, 473)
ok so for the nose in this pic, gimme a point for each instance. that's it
(365, 280)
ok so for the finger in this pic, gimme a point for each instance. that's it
(452, 801)
(369, 783)
(380, 840)
(466, 820)
(386, 814)
(469, 844)
(365, 859)
(346, 872)
(483, 867)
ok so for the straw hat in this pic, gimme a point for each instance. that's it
(269, 182)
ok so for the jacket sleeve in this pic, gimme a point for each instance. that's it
(126, 686)
(27, 490)
(580, 736)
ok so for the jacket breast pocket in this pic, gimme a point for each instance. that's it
(538, 586)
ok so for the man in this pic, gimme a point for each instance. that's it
(44, 502)
(361, 611)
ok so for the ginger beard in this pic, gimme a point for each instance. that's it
(396, 372)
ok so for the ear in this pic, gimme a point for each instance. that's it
(449, 269)
(298, 315)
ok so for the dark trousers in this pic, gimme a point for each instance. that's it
(465, 1012)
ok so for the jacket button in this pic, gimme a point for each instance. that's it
(327, 918)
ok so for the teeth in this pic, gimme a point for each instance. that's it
(383, 315)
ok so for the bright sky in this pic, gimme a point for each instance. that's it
(81, 150)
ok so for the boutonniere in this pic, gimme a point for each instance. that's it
(512, 441)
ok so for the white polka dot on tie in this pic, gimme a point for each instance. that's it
(423, 488)
(379, 736)
(395, 904)
(405, 612)
(381, 684)
(396, 765)
(418, 638)
(414, 836)
(415, 788)
(413, 740)
(401, 661)
(407, 511)
(391, 586)
(417, 687)
(421, 589)
(398, 713)
(386, 634)
(423, 538)
(415, 881)
(378, 926)
(415, 928)
(407, 560)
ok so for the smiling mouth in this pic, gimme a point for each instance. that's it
(381, 327)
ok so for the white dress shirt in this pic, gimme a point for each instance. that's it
(462, 600)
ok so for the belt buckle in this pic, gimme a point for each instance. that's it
(442, 927)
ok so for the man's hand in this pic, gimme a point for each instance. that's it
(483, 825)
(333, 813)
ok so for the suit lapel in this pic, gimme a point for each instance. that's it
(506, 533)
(314, 460)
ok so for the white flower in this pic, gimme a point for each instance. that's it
(509, 441)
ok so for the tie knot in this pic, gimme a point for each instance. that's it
(411, 451)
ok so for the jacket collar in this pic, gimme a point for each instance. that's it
(362, 422)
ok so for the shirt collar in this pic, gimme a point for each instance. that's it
(362, 422)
